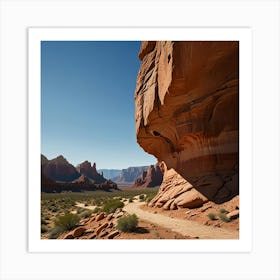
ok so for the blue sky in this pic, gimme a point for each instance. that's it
(87, 102)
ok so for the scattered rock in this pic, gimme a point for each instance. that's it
(110, 216)
(233, 215)
(205, 207)
(120, 214)
(79, 231)
(90, 230)
(100, 216)
(113, 234)
(101, 228)
(69, 236)
(92, 236)
(103, 233)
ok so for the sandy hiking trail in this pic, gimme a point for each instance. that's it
(184, 227)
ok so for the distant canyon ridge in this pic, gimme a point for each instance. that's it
(187, 116)
(59, 175)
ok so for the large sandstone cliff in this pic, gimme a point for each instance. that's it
(186, 115)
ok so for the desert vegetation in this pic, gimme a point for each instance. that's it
(62, 212)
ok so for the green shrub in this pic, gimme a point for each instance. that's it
(96, 210)
(68, 221)
(211, 216)
(127, 223)
(130, 200)
(141, 197)
(223, 217)
(223, 210)
(149, 197)
(80, 210)
(85, 214)
(55, 232)
(112, 205)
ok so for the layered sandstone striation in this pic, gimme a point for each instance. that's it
(186, 115)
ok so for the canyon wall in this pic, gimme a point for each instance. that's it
(187, 115)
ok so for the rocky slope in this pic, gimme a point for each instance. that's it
(129, 175)
(187, 115)
(152, 177)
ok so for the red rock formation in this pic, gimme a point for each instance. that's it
(150, 178)
(89, 171)
(57, 176)
(187, 112)
(58, 169)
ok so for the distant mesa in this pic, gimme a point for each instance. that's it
(59, 175)
(152, 177)
(129, 175)
(110, 173)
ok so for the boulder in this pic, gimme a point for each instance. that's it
(101, 228)
(233, 215)
(113, 234)
(69, 236)
(190, 199)
(79, 231)
(100, 216)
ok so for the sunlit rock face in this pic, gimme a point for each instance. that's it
(187, 112)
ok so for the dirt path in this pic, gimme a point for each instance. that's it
(184, 227)
(82, 205)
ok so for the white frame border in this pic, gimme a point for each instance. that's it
(243, 35)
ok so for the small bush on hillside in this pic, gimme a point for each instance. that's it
(96, 210)
(55, 232)
(130, 200)
(223, 217)
(127, 223)
(112, 205)
(79, 210)
(149, 197)
(68, 221)
(85, 214)
(141, 197)
(223, 210)
(211, 216)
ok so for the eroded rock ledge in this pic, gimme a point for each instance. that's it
(186, 115)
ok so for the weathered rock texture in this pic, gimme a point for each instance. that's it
(187, 115)
(150, 178)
